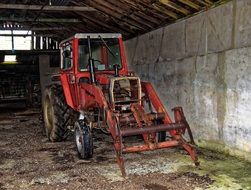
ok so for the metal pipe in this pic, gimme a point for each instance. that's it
(116, 70)
(145, 147)
(89, 47)
(151, 116)
(152, 129)
(91, 62)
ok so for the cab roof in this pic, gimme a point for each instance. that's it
(93, 36)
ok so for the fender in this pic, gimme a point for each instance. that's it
(67, 91)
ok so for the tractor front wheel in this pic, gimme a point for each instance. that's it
(83, 139)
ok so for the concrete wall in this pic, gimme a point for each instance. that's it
(203, 63)
(46, 72)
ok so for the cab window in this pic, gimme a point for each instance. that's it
(105, 52)
(67, 60)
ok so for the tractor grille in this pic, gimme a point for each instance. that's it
(124, 91)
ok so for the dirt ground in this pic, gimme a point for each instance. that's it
(29, 161)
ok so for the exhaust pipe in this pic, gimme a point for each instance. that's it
(91, 62)
(116, 70)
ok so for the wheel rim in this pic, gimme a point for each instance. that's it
(78, 139)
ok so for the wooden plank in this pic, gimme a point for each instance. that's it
(45, 8)
(98, 22)
(103, 24)
(175, 6)
(190, 4)
(107, 11)
(146, 7)
(105, 8)
(25, 35)
(209, 2)
(135, 14)
(18, 19)
(203, 2)
(33, 28)
(147, 17)
(171, 14)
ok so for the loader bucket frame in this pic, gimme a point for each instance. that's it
(175, 129)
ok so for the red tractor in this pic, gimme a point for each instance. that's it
(98, 91)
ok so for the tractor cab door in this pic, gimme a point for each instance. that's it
(67, 75)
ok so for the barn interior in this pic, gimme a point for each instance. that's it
(196, 54)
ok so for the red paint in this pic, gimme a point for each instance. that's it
(82, 96)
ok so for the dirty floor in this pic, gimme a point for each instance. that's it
(29, 161)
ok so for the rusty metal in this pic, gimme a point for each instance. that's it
(166, 144)
(121, 100)
(180, 117)
(152, 129)
(151, 116)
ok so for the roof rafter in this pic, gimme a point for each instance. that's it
(128, 17)
(18, 19)
(175, 6)
(100, 23)
(135, 13)
(45, 8)
(190, 4)
(107, 10)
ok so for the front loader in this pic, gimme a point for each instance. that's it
(98, 91)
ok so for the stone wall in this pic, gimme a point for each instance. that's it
(203, 63)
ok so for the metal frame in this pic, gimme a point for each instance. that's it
(84, 96)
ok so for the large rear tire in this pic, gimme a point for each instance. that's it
(57, 114)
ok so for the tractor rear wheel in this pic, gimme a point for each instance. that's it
(57, 114)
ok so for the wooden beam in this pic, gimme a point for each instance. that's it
(45, 8)
(190, 4)
(102, 6)
(170, 14)
(174, 6)
(33, 28)
(134, 13)
(205, 3)
(145, 7)
(209, 2)
(103, 24)
(30, 52)
(98, 22)
(18, 19)
(25, 35)
(143, 12)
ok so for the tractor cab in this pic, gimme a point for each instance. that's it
(99, 53)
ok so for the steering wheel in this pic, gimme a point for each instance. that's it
(96, 64)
